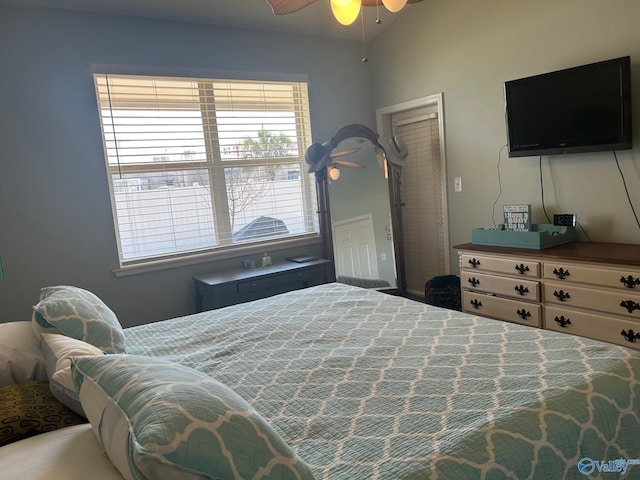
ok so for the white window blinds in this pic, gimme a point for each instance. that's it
(422, 195)
(200, 164)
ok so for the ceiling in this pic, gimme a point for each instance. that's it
(315, 20)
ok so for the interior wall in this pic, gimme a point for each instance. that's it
(467, 50)
(56, 224)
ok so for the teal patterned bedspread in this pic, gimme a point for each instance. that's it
(366, 385)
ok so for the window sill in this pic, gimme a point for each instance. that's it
(197, 258)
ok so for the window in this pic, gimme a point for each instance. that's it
(199, 164)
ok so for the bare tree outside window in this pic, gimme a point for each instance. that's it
(246, 185)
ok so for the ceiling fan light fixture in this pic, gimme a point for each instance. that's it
(394, 5)
(334, 173)
(345, 11)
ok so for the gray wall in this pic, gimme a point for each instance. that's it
(56, 225)
(467, 49)
(55, 218)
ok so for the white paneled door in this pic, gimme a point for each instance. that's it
(355, 248)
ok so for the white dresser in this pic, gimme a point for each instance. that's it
(582, 288)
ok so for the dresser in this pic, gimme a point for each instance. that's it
(590, 289)
(229, 287)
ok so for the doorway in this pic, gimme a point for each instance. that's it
(420, 125)
(355, 247)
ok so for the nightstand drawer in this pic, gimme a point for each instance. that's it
(608, 301)
(502, 308)
(518, 288)
(627, 279)
(275, 281)
(515, 266)
(610, 329)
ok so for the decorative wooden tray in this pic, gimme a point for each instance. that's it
(540, 236)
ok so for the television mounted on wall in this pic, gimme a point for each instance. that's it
(575, 110)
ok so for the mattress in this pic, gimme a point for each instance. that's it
(365, 385)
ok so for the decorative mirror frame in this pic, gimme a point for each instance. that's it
(318, 157)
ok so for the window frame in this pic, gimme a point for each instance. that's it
(214, 164)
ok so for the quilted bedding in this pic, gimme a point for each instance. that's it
(366, 385)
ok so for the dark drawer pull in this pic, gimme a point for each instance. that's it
(474, 263)
(563, 322)
(561, 273)
(523, 314)
(522, 269)
(474, 281)
(630, 336)
(561, 296)
(521, 290)
(475, 303)
(629, 281)
(630, 305)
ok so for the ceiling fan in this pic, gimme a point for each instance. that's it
(284, 7)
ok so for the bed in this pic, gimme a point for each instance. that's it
(364, 385)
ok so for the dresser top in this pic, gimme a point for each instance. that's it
(596, 252)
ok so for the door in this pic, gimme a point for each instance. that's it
(422, 190)
(355, 248)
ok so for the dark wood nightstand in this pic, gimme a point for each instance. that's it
(229, 287)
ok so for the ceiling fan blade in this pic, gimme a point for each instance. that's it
(285, 7)
(347, 163)
(342, 153)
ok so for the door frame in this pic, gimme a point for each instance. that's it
(384, 129)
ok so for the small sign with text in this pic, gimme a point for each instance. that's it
(516, 217)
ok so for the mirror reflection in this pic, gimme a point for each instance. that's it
(361, 217)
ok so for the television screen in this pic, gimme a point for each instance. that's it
(579, 109)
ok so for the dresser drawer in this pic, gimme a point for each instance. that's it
(620, 278)
(502, 308)
(609, 329)
(605, 300)
(515, 266)
(512, 287)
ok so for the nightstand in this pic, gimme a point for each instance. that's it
(229, 287)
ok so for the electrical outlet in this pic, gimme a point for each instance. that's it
(457, 184)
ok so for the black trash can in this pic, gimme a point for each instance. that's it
(443, 291)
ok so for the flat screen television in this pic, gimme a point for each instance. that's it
(575, 110)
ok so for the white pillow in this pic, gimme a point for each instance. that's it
(21, 359)
(66, 453)
(58, 350)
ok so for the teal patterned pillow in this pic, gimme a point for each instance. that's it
(158, 419)
(79, 314)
